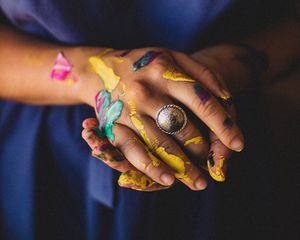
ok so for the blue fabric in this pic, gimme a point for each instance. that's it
(51, 188)
(120, 24)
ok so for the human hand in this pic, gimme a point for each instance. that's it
(227, 66)
(158, 80)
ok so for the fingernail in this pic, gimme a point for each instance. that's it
(237, 144)
(167, 179)
(200, 184)
(225, 94)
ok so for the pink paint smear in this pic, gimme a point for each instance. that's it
(62, 67)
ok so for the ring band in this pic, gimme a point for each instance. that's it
(171, 119)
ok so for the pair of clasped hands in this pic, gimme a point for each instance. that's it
(148, 158)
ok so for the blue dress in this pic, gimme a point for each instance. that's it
(51, 187)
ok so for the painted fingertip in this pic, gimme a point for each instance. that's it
(216, 172)
(89, 123)
(237, 144)
(226, 100)
(86, 134)
(136, 180)
(210, 157)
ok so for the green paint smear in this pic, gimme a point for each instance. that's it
(109, 113)
(113, 113)
(99, 132)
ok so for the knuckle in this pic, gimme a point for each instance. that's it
(186, 133)
(207, 109)
(139, 92)
(207, 73)
(165, 143)
(157, 69)
(159, 66)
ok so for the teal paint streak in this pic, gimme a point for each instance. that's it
(108, 113)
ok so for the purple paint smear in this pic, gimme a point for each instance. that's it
(105, 147)
(123, 54)
(227, 101)
(201, 93)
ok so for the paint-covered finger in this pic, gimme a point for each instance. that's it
(207, 77)
(217, 159)
(137, 180)
(189, 138)
(141, 157)
(103, 150)
(90, 122)
(169, 152)
(206, 107)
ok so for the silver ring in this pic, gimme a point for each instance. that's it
(171, 119)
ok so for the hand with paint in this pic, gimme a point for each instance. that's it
(231, 66)
(139, 84)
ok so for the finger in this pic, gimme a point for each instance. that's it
(219, 154)
(207, 108)
(90, 122)
(103, 150)
(140, 156)
(217, 159)
(209, 78)
(133, 179)
(169, 152)
(136, 180)
(189, 138)
(213, 81)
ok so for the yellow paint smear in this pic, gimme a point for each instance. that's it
(140, 127)
(135, 179)
(119, 59)
(125, 89)
(33, 60)
(173, 74)
(106, 50)
(106, 73)
(175, 162)
(195, 140)
(155, 160)
(218, 174)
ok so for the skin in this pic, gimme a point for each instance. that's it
(213, 68)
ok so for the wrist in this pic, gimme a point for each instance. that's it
(87, 82)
